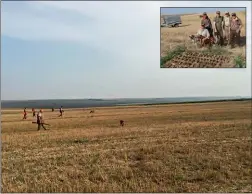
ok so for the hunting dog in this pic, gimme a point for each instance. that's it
(122, 123)
(199, 39)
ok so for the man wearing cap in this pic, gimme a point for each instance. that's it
(218, 26)
(226, 26)
(235, 30)
(207, 23)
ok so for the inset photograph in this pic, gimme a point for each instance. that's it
(202, 37)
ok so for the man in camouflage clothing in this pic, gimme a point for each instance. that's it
(227, 21)
(218, 27)
(235, 30)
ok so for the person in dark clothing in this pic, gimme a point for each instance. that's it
(61, 111)
(25, 114)
(33, 112)
(235, 30)
(207, 23)
(52, 109)
(40, 120)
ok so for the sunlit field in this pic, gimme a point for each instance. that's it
(197, 147)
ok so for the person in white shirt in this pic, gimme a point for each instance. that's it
(40, 121)
(203, 34)
(226, 27)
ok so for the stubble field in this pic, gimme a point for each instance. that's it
(163, 148)
(172, 38)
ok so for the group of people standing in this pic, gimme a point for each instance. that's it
(40, 120)
(224, 27)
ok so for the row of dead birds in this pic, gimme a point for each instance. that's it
(193, 54)
(213, 57)
(197, 60)
(172, 64)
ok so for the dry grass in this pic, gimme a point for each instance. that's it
(173, 37)
(164, 148)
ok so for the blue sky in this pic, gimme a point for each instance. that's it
(78, 49)
(188, 10)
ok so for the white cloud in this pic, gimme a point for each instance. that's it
(129, 30)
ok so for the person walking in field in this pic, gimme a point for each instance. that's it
(25, 114)
(33, 112)
(218, 27)
(227, 21)
(61, 111)
(235, 30)
(40, 121)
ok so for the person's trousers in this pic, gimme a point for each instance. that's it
(39, 125)
(227, 33)
(220, 36)
(210, 30)
(234, 37)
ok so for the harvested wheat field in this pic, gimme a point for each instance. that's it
(175, 41)
(196, 147)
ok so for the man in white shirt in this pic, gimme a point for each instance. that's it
(226, 26)
(203, 34)
(40, 121)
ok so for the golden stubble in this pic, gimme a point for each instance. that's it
(162, 148)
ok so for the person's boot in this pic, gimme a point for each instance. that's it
(222, 41)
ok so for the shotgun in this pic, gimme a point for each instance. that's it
(41, 123)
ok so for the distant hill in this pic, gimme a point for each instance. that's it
(86, 103)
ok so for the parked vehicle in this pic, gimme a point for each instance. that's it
(171, 21)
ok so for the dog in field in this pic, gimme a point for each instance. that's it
(199, 39)
(122, 123)
(195, 39)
